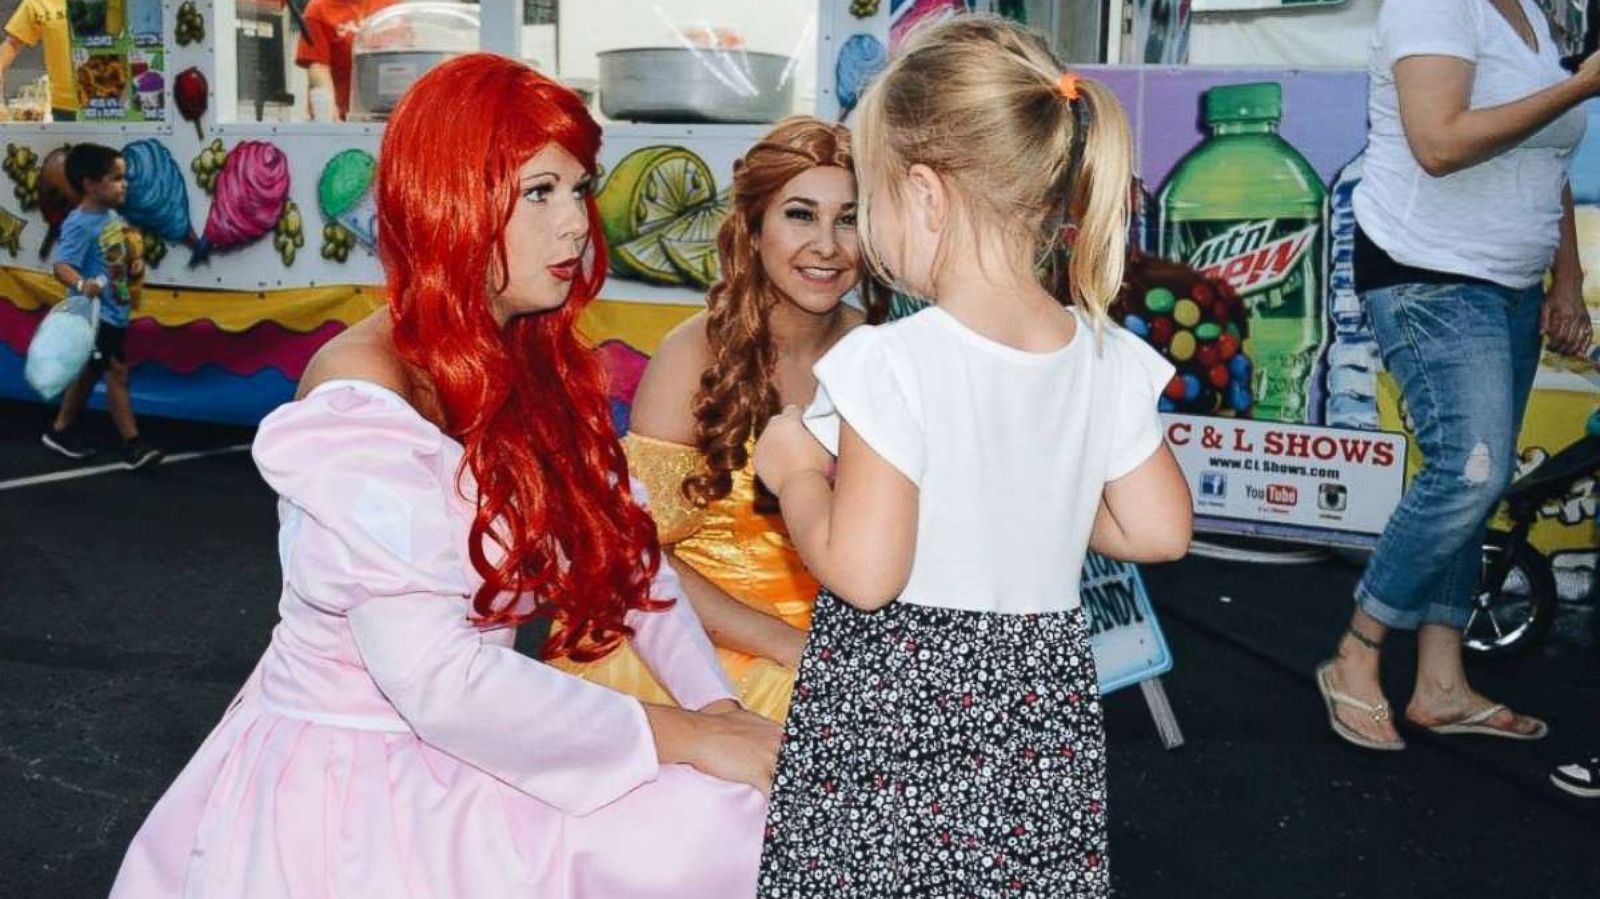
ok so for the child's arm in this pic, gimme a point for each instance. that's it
(71, 254)
(1145, 512)
(856, 535)
(69, 276)
(1145, 515)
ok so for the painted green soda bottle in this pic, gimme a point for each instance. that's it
(1244, 206)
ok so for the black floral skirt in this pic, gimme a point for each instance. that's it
(935, 753)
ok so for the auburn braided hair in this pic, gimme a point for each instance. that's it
(737, 394)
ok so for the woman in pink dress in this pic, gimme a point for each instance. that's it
(449, 472)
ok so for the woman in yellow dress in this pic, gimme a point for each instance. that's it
(789, 256)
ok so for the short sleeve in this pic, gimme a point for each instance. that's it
(74, 244)
(860, 381)
(371, 479)
(1428, 28)
(1138, 375)
(23, 26)
(314, 46)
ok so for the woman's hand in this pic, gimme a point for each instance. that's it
(1564, 318)
(786, 448)
(736, 745)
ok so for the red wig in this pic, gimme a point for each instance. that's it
(555, 520)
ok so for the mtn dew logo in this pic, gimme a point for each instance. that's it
(1254, 256)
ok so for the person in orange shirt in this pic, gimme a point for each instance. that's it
(44, 20)
(325, 43)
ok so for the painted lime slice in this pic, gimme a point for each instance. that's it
(648, 189)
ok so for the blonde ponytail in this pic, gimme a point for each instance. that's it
(1098, 204)
(980, 101)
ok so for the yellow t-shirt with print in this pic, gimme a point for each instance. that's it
(46, 20)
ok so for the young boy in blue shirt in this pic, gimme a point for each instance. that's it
(94, 257)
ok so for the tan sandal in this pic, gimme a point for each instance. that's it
(1333, 698)
(1478, 723)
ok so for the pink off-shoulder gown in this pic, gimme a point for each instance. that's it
(385, 748)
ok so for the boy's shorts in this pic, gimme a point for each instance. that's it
(108, 347)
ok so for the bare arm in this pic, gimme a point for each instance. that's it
(1146, 515)
(1564, 318)
(734, 625)
(1567, 269)
(856, 535)
(1446, 136)
(69, 276)
(319, 76)
(8, 55)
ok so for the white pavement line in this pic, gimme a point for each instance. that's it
(75, 473)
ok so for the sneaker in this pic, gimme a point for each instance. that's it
(140, 454)
(67, 443)
(1579, 778)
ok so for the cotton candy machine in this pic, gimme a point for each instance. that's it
(398, 45)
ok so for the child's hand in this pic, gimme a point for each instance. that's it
(787, 448)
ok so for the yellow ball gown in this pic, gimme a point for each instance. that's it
(730, 544)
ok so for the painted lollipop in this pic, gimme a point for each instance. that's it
(251, 190)
(57, 198)
(345, 194)
(189, 91)
(158, 199)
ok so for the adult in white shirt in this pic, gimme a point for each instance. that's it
(1463, 208)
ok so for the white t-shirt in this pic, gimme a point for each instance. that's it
(1010, 450)
(1499, 220)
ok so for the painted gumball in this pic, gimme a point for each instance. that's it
(1191, 388)
(1219, 376)
(1227, 347)
(1136, 325)
(1202, 293)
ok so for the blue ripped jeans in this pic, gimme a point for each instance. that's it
(1464, 356)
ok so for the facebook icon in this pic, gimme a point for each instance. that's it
(1213, 485)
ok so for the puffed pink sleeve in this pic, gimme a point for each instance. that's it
(371, 482)
(673, 643)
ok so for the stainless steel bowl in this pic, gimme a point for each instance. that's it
(679, 84)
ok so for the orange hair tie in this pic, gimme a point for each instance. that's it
(1067, 86)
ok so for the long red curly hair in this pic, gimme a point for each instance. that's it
(555, 521)
(737, 395)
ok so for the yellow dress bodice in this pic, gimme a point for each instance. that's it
(744, 552)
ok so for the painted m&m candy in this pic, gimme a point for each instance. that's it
(1182, 347)
(1186, 313)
